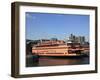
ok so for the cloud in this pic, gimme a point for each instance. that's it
(30, 16)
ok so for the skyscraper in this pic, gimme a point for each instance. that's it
(76, 39)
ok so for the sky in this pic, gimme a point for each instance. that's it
(60, 26)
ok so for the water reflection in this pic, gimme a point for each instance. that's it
(45, 61)
(32, 60)
(53, 61)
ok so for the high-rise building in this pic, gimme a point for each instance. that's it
(76, 39)
(82, 39)
(72, 38)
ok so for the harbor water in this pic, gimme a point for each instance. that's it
(34, 61)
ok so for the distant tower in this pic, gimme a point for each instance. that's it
(72, 38)
(81, 39)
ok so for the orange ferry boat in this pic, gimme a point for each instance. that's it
(58, 48)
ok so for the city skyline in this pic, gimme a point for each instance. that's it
(60, 26)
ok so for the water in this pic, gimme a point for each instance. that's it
(53, 61)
